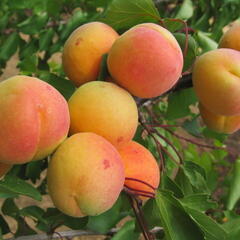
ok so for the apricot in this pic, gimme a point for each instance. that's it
(216, 80)
(105, 109)
(140, 165)
(231, 39)
(4, 168)
(83, 51)
(219, 123)
(85, 175)
(34, 119)
(146, 60)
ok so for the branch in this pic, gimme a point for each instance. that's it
(71, 234)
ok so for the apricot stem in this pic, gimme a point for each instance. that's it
(140, 192)
(186, 33)
(141, 181)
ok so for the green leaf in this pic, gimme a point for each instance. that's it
(105, 221)
(33, 212)
(29, 64)
(172, 25)
(123, 14)
(179, 102)
(126, 232)
(186, 10)
(54, 7)
(34, 169)
(191, 50)
(203, 159)
(168, 184)
(203, 22)
(19, 186)
(199, 202)
(176, 223)
(9, 208)
(205, 42)
(9, 46)
(23, 228)
(183, 182)
(196, 175)
(65, 87)
(192, 126)
(234, 191)
(232, 226)
(34, 24)
(19, 4)
(4, 21)
(28, 49)
(150, 211)
(4, 225)
(45, 39)
(212, 230)
(75, 223)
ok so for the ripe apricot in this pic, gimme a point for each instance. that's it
(146, 60)
(34, 119)
(219, 123)
(85, 175)
(83, 51)
(105, 109)
(216, 80)
(141, 169)
(231, 39)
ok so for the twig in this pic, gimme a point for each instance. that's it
(136, 206)
(186, 33)
(71, 234)
(195, 142)
(158, 144)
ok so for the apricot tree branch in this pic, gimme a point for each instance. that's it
(195, 142)
(136, 206)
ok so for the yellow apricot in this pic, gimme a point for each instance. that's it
(105, 109)
(85, 175)
(219, 123)
(84, 49)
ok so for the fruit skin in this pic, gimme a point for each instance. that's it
(83, 51)
(146, 60)
(105, 109)
(219, 123)
(216, 80)
(85, 175)
(4, 168)
(231, 39)
(140, 164)
(34, 119)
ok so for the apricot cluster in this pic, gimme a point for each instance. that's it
(216, 79)
(88, 170)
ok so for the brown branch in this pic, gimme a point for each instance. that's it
(136, 206)
(195, 142)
